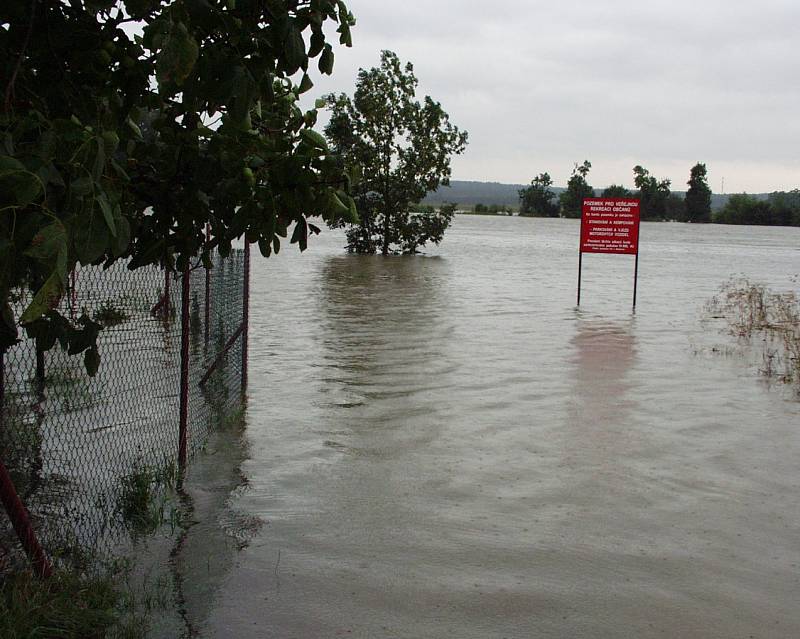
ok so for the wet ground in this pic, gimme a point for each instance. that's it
(444, 446)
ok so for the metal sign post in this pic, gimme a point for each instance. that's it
(610, 225)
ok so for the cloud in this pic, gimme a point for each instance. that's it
(540, 85)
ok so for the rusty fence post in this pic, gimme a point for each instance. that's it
(40, 373)
(22, 524)
(208, 297)
(2, 390)
(13, 505)
(184, 390)
(245, 313)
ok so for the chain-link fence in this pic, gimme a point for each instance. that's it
(89, 456)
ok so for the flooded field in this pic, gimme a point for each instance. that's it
(443, 446)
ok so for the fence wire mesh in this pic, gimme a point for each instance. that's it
(89, 454)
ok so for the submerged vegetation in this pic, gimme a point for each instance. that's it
(72, 605)
(142, 500)
(752, 310)
(110, 315)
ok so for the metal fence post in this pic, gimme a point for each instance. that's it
(22, 524)
(184, 391)
(2, 390)
(167, 301)
(40, 372)
(208, 294)
(245, 313)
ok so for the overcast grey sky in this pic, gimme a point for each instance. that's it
(542, 85)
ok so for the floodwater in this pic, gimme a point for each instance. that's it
(443, 446)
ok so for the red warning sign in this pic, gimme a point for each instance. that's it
(610, 226)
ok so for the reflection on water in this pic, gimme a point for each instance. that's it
(443, 447)
(605, 353)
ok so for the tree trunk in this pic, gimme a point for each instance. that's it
(385, 249)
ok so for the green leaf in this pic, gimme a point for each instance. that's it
(137, 132)
(338, 208)
(45, 299)
(91, 238)
(16, 181)
(314, 139)
(8, 328)
(91, 360)
(122, 240)
(82, 186)
(99, 159)
(320, 103)
(47, 243)
(300, 234)
(177, 57)
(325, 63)
(108, 215)
(306, 84)
(294, 49)
(265, 247)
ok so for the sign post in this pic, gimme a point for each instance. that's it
(610, 225)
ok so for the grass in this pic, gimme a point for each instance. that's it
(20, 445)
(67, 605)
(109, 604)
(752, 310)
(110, 315)
(141, 502)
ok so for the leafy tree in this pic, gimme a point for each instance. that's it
(653, 194)
(403, 148)
(119, 146)
(616, 190)
(675, 208)
(578, 190)
(698, 197)
(537, 200)
(742, 208)
(785, 207)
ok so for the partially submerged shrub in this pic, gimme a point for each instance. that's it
(141, 501)
(110, 315)
(751, 308)
(66, 605)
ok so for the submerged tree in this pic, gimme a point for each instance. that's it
(616, 190)
(653, 194)
(698, 197)
(537, 200)
(402, 148)
(578, 190)
(127, 146)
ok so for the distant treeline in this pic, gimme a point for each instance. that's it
(658, 202)
(781, 208)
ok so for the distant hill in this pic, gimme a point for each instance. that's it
(471, 193)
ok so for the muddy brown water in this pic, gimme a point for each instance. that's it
(444, 446)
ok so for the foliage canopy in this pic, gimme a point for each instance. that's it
(653, 194)
(537, 200)
(698, 197)
(578, 190)
(403, 149)
(120, 145)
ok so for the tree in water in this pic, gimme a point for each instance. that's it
(653, 194)
(123, 146)
(698, 197)
(397, 150)
(578, 190)
(537, 200)
(616, 190)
